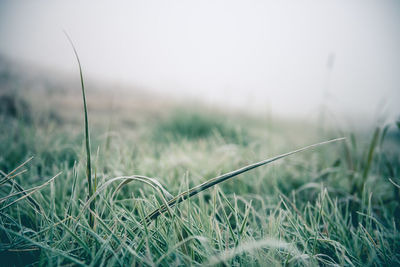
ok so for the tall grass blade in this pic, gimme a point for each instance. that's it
(371, 150)
(87, 137)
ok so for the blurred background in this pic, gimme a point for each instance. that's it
(319, 60)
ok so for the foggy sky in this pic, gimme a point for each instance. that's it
(266, 55)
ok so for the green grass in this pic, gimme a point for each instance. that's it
(330, 205)
(188, 125)
(90, 180)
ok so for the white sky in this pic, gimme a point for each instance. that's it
(263, 54)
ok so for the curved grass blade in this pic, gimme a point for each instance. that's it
(162, 192)
(153, 181)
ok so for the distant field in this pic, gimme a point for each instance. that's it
(337, 204)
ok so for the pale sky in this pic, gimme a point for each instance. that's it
(258, 54)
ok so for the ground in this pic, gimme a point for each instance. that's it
(336, 204)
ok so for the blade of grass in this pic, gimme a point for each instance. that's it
(219, 179)
(87, 137)
(244, 221)
(371, 150)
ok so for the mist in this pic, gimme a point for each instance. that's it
(287, 57)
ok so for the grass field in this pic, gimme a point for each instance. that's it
(336, 204)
